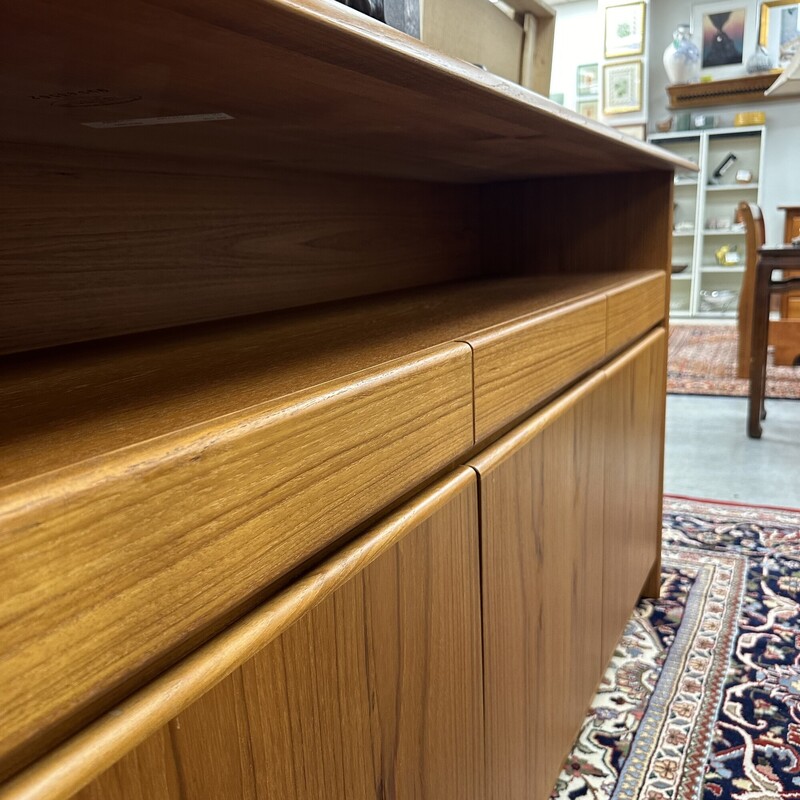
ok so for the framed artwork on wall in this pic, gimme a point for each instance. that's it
(726, 36)
(624, 30)
(779, 30)
(588, 108)
(588, 78)
(622, 87)
(638, 131)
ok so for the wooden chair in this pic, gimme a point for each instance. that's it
(783, 334)
(769, 259)
(753, 220)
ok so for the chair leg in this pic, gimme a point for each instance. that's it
(758, 354)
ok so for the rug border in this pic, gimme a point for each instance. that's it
(736, 503)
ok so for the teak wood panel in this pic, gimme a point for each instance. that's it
(305, 83)
(115, 567)
(91, 249)
(376, 692)
(592, 223)
(541, 493)
(518, 365)
(633, 458)
(634, 310)
(71, 404)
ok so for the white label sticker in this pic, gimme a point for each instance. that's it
(139, 123)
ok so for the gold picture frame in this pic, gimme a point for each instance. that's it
(764, 28)
(622, 87)
(624, 30)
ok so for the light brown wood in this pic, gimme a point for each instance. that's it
(634, 309)
(477, 32)
(634, 431)
(746, 89)
(68, 405)
(147, 550)
(388, 668)
(95, 247)
(309, 84)
(441, 523)
(541, 498)
(517, 366)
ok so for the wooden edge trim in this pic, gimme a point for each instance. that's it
(633, 352)
(347, 22)
(641, 278)
(139, 458)
(86, 755)
(532, 427)
(518, 324)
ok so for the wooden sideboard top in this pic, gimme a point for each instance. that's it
(266, 83)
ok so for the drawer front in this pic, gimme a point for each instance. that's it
(520, 364)
(113, 569)
(371, 687)
(634, 309)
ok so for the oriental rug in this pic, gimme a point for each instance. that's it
(702, 360)
(702, 698)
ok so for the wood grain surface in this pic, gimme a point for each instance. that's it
(592, 223)
(633, 309)
(372, 688)
(518, 365)
(70, 404)
(542, 544)
(94, 247)
(145, 551)
(308, 84)
(634, 421)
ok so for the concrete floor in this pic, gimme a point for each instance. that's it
(709, 455)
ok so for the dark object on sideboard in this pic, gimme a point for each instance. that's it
(400, 14)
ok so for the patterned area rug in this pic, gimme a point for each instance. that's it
(702, 360)
(702, 698)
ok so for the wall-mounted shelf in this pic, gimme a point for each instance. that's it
(747, 89)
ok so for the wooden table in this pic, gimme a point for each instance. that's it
(784, 257)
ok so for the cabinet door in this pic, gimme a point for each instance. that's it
(634, 452)
(541, 493)
(375, 692)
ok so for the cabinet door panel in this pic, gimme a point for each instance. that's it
(634, 451)
(542, 547)
(375, 692)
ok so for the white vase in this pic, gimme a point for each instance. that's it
(682, 58)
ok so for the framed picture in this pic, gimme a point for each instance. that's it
(624, 30)
(637, 131)
(726, 36)
(587, 80)
(588, 108)
(622, 87)
(779, 30)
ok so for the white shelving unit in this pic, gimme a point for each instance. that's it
(698, 202)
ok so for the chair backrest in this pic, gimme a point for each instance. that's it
(753, 219)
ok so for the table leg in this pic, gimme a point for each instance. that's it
(758, 352)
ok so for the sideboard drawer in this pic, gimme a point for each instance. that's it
(519, 364)
(114, 567)
(635, 308)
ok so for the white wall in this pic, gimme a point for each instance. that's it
(576, 42)
(781, 179)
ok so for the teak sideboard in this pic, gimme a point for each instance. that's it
(332, 400)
